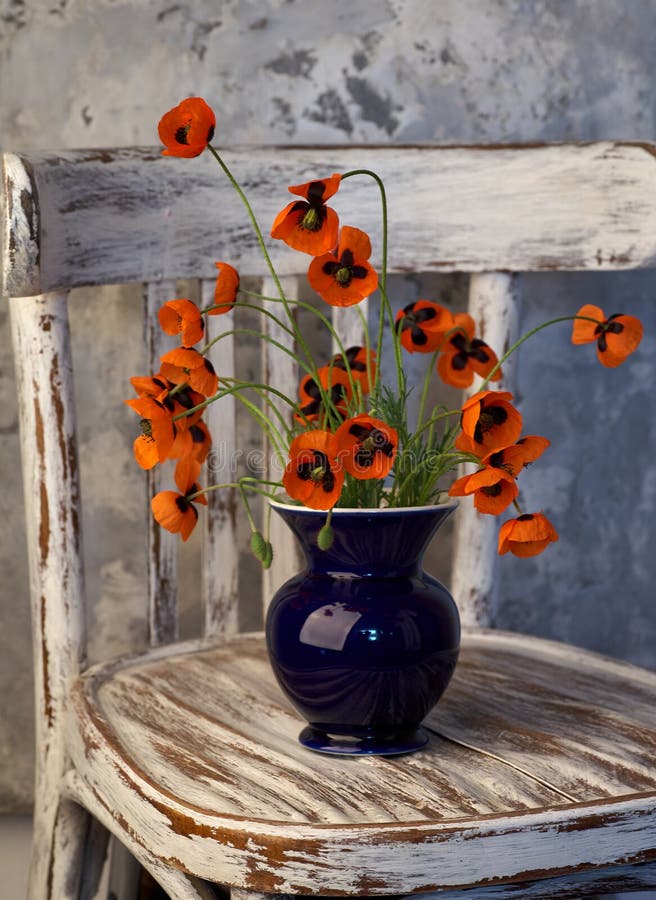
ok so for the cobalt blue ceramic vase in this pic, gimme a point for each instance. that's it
(363, 641)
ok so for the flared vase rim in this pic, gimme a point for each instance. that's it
(354, 510)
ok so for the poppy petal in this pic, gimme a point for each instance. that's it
(584, 331)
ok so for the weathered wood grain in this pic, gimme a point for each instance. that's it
(565, 887)
(568, 206)
(220, 566)
(50, 475)
(281, 371)
(162, 550)
(245, 790)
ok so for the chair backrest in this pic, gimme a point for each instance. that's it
(131, 215)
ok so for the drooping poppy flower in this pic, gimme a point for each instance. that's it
(464, 355)
(155, 386)
(185, 364)
(516, 457)
(176, 511)
(194, 441)
(367, 446)
(312, 474)
(227, 287)
(617, 337)
(309, 225)
(422, 326)
(363, 370)
(335, 384)
(489, 422)
(493, 489)
(345, 277)
(187, 129)
(182, 317)
(157, 431)
(527, 535)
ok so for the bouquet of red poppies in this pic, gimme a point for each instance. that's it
(347, 442)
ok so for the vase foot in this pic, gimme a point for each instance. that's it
(346, 745)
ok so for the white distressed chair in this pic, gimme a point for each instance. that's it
(540, 772)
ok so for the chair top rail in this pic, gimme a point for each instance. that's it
(133, 215)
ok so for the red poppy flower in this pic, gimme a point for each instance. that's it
(516, 457)
(176, 512)
(493, 489)
(309, 225)
(187, 129)
(422, 326)
(617, 337)
(363, 371)
(313, 475)
(182, 317)
(187, 365)
(527, 535)
(489, 422)
(334, 382)
(157, 432)
(227, 287)
(367, 447)
(155, 386)
(464, 355)
(194, 441)
(344, 278)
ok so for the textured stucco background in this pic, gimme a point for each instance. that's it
(81, 73)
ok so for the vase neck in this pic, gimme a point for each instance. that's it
(384, 543)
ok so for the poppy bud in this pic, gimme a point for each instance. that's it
(258, 545)
(268, 556)
(326, 537)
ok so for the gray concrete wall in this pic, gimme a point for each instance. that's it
(101, 72)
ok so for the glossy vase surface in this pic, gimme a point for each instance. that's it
(363, 641)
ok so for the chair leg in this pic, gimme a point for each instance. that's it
(58, 850)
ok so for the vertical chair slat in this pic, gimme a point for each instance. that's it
(494, 302)
(350, 324)
(162, 545)
(280, 370)
(220, 546)
(41, 341)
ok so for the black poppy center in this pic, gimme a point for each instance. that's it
(182, 133)
(490, 417)
(317, 470)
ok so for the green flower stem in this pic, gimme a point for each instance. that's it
(238, 484)
(396, 343)
(322, 318)
(253, 332)
(526, 336)
(383, 203)
(383, 272)
(260, 238)
(241, 305)
(447, 413)
(257, 413)
(425, 387)
(262, 391)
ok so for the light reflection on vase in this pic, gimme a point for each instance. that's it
(363, 641)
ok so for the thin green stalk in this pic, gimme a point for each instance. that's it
(237, 484)
(260, 238)
(383, 272)
(525, 337)
(259, 334)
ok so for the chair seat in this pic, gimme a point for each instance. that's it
(540, 762)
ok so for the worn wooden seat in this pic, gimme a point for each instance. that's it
(539, 779)
(199, 746)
